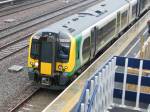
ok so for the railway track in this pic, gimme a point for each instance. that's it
(10, 46)
(13, 47)
(21, 103)
(36, 101)
(46, 8)
(22, 7)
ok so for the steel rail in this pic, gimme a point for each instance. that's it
(24, 100)
(23, 7)
(3, 48)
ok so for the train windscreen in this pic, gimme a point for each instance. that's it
(35, 49)
(63, 52)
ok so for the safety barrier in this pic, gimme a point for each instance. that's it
(140, 80)
(99, 90)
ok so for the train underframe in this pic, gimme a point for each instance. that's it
(56, 82)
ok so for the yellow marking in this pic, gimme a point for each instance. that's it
(136, 71)
(71, 63)
(46, 68)
(29, 50)
(30, 60)
(133, 87)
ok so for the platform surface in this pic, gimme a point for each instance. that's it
(119, 109)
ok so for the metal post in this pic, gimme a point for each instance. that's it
(87, 99)
(139, 85)
(91, 88)
(124, 82)
(100, 90)
(82, 108)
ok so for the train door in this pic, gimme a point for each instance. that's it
(93, 42)
(47, 61)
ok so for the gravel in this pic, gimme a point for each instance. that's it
(32, 12)
(12, 84)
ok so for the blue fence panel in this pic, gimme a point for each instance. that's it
(132, 79)
(134, 63)
(146, 81)
(119, 77)
(131, 96)
(146, 64)
(145, 98)
(128, 96)
(120, 61)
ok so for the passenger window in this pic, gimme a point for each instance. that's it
(106, 32)
(134, 9)
(124, 19)
(86, 49)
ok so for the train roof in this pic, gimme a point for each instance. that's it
(79, 22)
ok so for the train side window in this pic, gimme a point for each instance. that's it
(99, 37)
(86, 49)
(134, 10)
(143, 4)
(106, 32)
(124, 19)
(109, 29)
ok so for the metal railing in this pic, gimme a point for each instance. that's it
(99, 91)
(135, 73)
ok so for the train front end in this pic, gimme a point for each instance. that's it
(51, 59)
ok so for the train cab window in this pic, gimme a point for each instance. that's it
(63, 50)
(124, 19)
(86, 49)
(35, 49)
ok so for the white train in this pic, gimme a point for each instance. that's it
(59, 51)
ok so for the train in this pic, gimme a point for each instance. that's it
(58, 51)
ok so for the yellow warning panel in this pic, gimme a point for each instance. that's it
(46, 68)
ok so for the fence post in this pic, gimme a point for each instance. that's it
(100, 91)
(124, 82)
(87, 99)
(91, 87)
(82, 108)
(139, 85)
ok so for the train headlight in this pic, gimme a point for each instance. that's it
(32, 63)
(60, 67)
(65, 67)
(36, 64)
